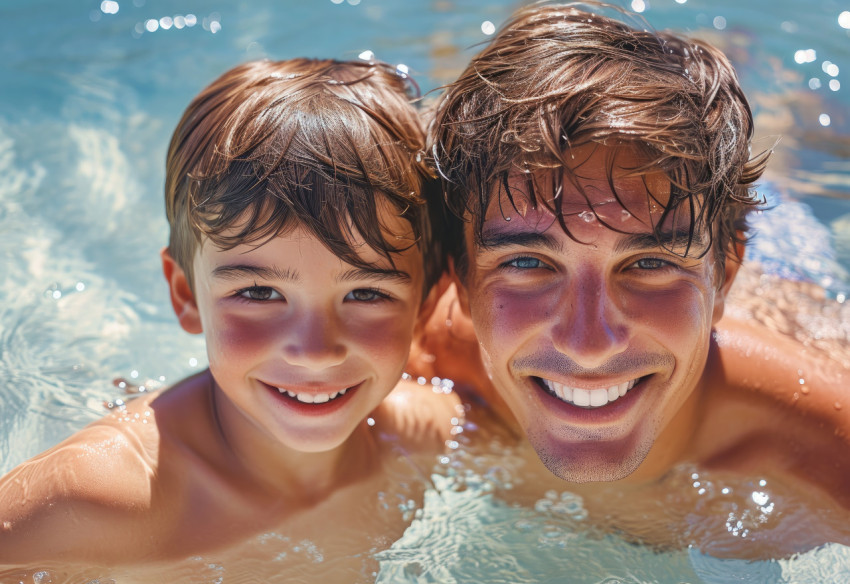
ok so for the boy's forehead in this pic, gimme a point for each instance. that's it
(395, 229)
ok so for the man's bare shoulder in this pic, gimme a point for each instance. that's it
(421, 415)
(776, 405)
(754, 361)
(77, 498)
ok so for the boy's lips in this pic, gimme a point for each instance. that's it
(318, 396)
(588, 398)
(309, 397)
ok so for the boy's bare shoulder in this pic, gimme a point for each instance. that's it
(79, 497)
(422, 416)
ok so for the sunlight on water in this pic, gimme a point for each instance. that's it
(91, 94)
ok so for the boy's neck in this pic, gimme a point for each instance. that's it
(280, 471)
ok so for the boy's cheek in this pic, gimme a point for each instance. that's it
(235, 335)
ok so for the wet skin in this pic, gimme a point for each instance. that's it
(300, 420)
(611, 316)
(289, 323)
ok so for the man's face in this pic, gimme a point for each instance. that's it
(596, 345)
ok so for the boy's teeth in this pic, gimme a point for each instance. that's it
(312, 398)
(589, 398)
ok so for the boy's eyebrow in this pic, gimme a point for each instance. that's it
(235, 272)
(666, 239)
(359, 273)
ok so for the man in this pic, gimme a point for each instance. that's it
(604, 177)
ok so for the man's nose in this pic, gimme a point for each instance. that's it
(591, 328)
(313, 339)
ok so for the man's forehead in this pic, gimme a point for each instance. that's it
(592, 196)
(538, 197)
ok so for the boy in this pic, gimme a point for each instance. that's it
(299, 235)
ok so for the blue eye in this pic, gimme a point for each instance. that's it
(366, 295)
(525, 263)
(651, 264)
(259, 293)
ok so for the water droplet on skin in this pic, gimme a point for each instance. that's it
(837, 405)
(625, 215)
(805, 390)
(587, 216)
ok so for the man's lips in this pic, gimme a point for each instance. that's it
(587, 398)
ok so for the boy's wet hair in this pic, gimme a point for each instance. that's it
(557, 77)
(320, 144)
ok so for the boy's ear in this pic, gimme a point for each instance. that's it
(734, 259)
(182, 299)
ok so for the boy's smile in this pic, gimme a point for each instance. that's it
(596, 341)
(301, 344)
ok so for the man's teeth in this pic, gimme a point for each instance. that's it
(589, 398)
(313, 398)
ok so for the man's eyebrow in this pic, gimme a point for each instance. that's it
(678, 238)
(374, 273)
(235, 272)
(497, 239)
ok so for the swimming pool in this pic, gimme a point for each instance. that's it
(91, 92)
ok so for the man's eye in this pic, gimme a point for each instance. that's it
(651, 264)
(259, 293)
(366, 295)
(525, 263)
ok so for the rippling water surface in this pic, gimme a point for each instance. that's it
(90, 92)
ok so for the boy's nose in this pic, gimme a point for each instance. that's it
(313, 340)
(591, 328)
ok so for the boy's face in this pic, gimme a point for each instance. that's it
(304, 345)
(596, 345)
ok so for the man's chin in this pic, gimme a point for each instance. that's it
(584, 462)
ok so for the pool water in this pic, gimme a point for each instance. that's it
(89, 94)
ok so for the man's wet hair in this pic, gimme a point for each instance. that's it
(560, 76)
(321, 144)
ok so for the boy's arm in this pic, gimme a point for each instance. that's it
(422, 416)
(86, 500)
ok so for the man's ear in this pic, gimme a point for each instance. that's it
(457, 280)
(182, 298)
(734, 259)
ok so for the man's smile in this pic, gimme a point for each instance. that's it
(588, 398)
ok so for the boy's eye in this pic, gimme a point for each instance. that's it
(366, 295)
(259, 293)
